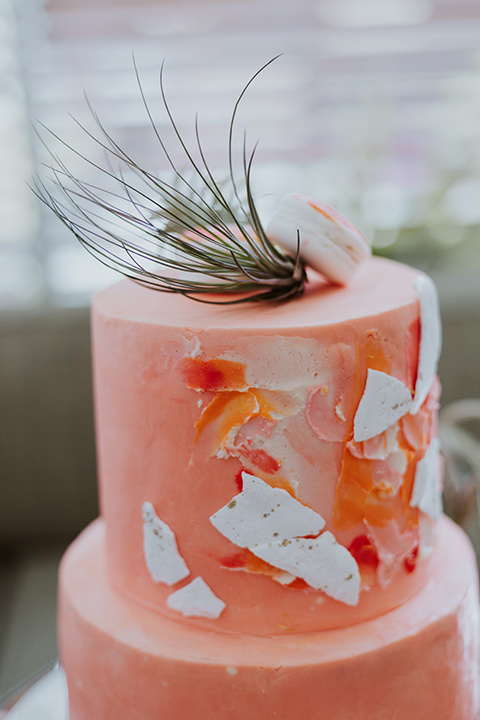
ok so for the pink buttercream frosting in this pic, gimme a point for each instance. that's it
(190, 395)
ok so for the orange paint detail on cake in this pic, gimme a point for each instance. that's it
(239, 479)
(213, 375)
(363, 493)
(380, 510)
(255, 564)
(231, 410)
(258, 458)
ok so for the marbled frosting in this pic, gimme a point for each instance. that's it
(188, 395)
(270, 487)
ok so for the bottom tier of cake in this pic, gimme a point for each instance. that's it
(418, 662)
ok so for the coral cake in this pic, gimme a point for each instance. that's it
(272, 544)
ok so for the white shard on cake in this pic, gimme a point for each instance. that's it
(384, 401)
(261, 514)
(427, 493)
(430, 339)
(163, 559)
(277, 528)
(322, 562)
(196, 599)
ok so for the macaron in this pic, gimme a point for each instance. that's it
(329, 243)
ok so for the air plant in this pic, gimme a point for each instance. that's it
(195, 235)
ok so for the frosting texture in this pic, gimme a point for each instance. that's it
(280, 445)
(417, 662)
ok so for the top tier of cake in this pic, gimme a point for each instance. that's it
(270, 468)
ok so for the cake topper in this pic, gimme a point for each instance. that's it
(328, 242)
(198, 235)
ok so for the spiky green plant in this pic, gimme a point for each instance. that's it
(195, 236)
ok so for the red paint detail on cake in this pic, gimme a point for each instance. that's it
(354, 485)
(364, 551)
(258, 457)
(367, 488)
(411, 560)
(213, 375)
(239, 479)
(412, 344)
(234, 562)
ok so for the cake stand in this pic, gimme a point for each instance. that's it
(45, 698)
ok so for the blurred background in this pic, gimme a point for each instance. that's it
(373, 108)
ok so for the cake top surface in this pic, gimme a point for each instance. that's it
(378, 286)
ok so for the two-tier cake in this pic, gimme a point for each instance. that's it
(271, 543)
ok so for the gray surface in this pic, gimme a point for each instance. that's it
(47, 465)
(47, 455)
(28, 613)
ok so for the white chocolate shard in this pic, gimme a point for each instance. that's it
(284, 578)
(273, 525)
(430, 339)
(426, 527)
(261, 514)
(384, 401)
(426, 493)
(328, 242)
(163, 559)
(196, 599)
(322, 562)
